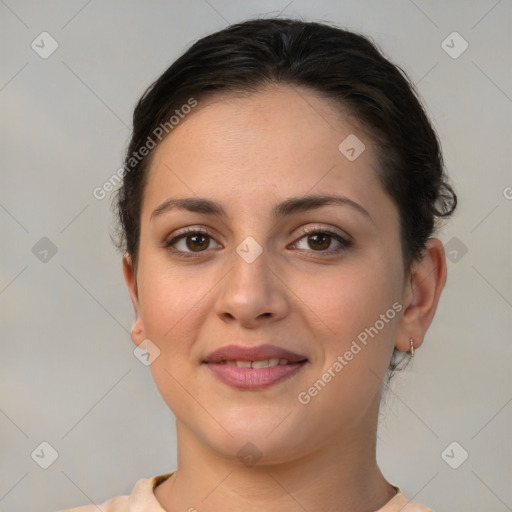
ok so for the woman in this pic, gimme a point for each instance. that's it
(281, 190)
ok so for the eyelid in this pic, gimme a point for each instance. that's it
(182, 233)
(323, 229)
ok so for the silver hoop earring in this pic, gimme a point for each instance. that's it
(411, 351)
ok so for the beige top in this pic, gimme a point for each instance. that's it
(143, 499)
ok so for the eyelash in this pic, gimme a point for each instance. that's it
(344, 242)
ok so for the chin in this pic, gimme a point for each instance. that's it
(266, 439)
(256, 450)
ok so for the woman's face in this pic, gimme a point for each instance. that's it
(258, 278)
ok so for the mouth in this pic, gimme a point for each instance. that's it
(254, 368)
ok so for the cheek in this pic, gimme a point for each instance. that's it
(349, 302)
(164, 288)
(170, 301)
(173, 309)
(349, 298)
(346, 306)
(170, 304)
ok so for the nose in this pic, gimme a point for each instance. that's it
(251, 294)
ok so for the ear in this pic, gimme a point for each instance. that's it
(130, 277)
(421, 295)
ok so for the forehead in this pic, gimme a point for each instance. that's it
(278, 142)
(285, 120)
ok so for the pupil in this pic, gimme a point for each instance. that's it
(320, 236)
(195, 242)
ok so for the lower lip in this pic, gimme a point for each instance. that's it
(254, 378)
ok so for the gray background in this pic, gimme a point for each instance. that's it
(68, 373)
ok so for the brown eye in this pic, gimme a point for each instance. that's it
(191, 242)
(197, 242)
(319, 241)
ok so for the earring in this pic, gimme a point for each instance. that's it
(411, 351)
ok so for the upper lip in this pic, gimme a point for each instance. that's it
(257, 353)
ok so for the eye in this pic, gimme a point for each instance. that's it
(193, 241)
(319, 240)
(189, 242)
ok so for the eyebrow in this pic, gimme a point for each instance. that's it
(283, 209)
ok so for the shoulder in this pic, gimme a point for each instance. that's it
(399, 503)
(142, 497)
(117, 504)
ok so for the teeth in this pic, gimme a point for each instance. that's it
(257, 364)
(260, 364)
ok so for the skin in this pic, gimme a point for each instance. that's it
(249, 152)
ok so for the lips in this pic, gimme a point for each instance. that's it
(259, 353)
(253, 368)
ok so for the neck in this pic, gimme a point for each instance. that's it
(341, 477)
